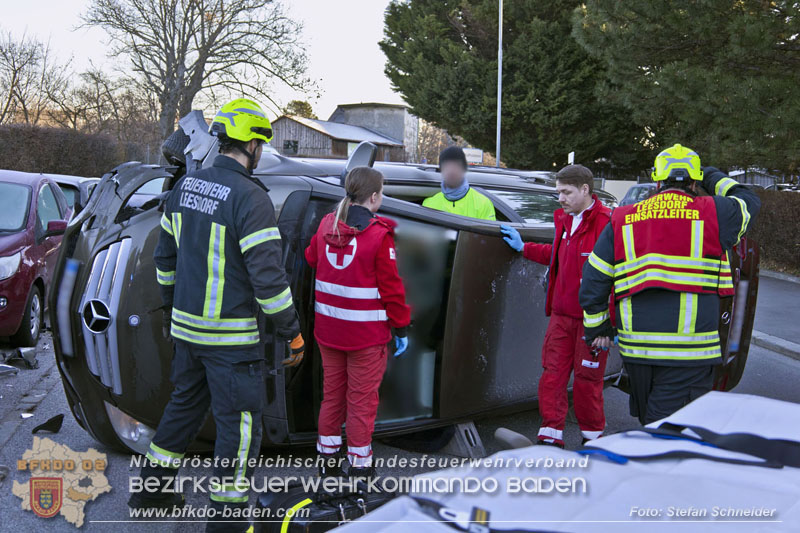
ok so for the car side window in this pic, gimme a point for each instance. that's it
(47, 206)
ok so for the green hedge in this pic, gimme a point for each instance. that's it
(777, 231)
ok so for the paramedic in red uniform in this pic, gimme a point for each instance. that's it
(578, 225)
(359, 299)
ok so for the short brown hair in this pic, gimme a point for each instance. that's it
(576, 175)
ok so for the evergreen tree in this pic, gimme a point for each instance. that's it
(442, 57)
(720, 76)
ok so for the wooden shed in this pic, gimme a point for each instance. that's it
(305, 137)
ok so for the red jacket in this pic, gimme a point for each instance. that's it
(359, 295)
(566, 257)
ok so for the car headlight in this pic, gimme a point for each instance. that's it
(9, 265)
(130, 431)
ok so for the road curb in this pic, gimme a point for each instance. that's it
(779, 275)
(776, 344)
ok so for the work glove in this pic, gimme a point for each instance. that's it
(298, 347)
(166, 323)
(512, 238)
(401, 345)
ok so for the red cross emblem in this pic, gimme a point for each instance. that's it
(340, 258)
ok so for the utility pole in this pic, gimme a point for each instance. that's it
(499, 81)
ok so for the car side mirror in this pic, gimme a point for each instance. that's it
(55, 227)
(363, 156)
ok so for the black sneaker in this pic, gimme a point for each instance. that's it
(165, 500)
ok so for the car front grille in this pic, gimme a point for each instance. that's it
(99, 309)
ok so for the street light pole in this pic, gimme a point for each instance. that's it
(499, 80)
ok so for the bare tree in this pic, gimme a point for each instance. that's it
(28, 71)
(180, 47)
(431, 141)
(100, 103)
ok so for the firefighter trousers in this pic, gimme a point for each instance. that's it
(564, 352)
(657, 391)
(230, 383)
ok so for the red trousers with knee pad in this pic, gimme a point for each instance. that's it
(350, 394)
(563, 353)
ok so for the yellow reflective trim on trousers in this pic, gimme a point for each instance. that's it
(291, 512)
(687, 318)
(163, 457)
(601, 266)
(626, 313)
(165, 224)
(215, 282)
(230, 493)
(627, 241)
(697, 238)
(214, 339)
(724, 185)
(277, 303)
(177, 224)
(745, 216)
(245, 438)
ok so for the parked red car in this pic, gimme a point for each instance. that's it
(33, 217)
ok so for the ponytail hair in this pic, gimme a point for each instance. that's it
(359, 185)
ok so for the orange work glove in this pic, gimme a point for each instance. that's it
(298, 347)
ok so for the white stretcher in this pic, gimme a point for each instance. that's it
(695, 487)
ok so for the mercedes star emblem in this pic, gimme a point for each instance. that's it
(96, 316)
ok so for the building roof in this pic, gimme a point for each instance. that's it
(374, 104)
(344, 132)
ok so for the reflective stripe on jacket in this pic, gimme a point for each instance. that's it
(666, 321)
(219, 259)
(669, 241)
(359, 295)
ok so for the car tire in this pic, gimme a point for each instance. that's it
(32, 320)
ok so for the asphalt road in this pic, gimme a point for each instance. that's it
(39, 392)
(778, 308)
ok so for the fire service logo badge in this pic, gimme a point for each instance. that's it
(46, 495)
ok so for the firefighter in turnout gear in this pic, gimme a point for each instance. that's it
(218, 264)
(666, 261)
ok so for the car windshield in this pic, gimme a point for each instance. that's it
(14, 202)
(640, 193)
(533, 207)
(70, 193)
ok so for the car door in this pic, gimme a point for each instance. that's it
(48, 209)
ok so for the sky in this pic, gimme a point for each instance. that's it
(341, 35)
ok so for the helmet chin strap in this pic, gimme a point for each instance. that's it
(251, 158)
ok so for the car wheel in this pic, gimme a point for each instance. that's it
(31, 327)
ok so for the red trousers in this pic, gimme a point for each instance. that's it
(350, 394)
(565, 351)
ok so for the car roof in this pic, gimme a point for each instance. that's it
(26, 178)
(421, 174)
(69, 180)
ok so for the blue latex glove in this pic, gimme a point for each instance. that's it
(513, 237)
(402, 345)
